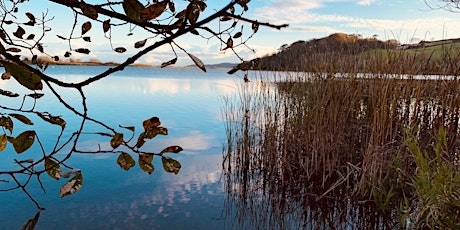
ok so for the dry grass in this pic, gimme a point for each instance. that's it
(338, 137)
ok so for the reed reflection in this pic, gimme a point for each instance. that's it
(340, 153)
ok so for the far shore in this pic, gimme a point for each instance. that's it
(89, 63)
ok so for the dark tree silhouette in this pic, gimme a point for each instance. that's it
(23, 50)
(449, 5)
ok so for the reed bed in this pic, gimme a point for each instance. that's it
(333, 150)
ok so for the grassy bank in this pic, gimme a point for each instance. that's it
(377, 151)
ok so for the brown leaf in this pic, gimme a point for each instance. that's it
(237, 35)
(120, 49)
(53, 168)
(82, 50)
(170, 165)
(140, 44)
(132, 9)
(13, 50)
(153, 11)
(21, 118)
(171, 6)
(88, 10)
(197, 62)
(172, 149)
(145, 163)
(3, 142)
(55, 120)
(72, 186)
(255, 27)
(151, 123)
(125, 161)
(85, 27)
(36, 95)
(106, 25)
(131, 128)
(19, 32)
(31, 17)
(229, 43)
(23, 141)
(7, 123)
(170, 62)
(8, 93)
(117, 140)
(23, 75)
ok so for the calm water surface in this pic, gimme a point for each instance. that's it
(187, 103)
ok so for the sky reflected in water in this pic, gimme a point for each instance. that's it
(187, 103)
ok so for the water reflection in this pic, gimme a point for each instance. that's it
(110, 197)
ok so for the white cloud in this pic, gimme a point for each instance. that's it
(365, 2)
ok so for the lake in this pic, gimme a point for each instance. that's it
(187, 102)
(212, 190)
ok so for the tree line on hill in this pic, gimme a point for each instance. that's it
(350, 53)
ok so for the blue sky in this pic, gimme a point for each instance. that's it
(404, 20)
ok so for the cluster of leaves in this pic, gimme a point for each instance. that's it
(24, 141)
(151, 129)
(52, 166)
(160, 22)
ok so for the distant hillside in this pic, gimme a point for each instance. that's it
(349, 52)
(224, 65)
(300, 53)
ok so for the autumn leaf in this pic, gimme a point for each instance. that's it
(237, 35)
(31, 17)
(85, 27)
(55, 120)
(171, 149)
(125, 161)
(151, 123)
(153, 11)
(170, 62)
(132, 9)
(7, 123)
(8, 93)
(170, 165)
(23, 141)
(255, 27)
(19, 32)
(120, 49)
(197, 62)
(3, 142)
(13, 50)
(82, 50)
(72, 186)
(53, 169)
(23, 75)
(140, 44)
(106, 25)
(117, 140)
(30, 223)
(21, 118)
(145, 163)
(229, 43)
(88, 10)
